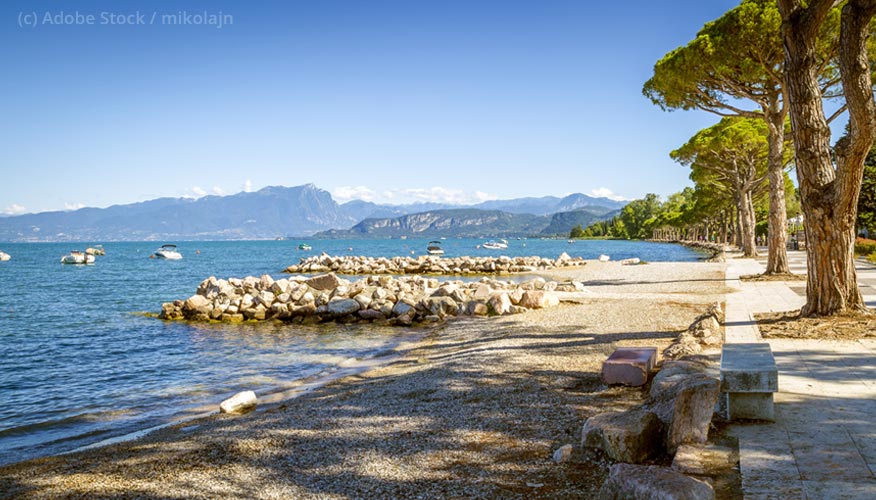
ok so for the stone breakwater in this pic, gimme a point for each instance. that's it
(429, 265)
(384, 299)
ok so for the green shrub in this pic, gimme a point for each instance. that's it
(863, 246)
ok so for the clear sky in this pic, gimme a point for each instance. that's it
(393, 101)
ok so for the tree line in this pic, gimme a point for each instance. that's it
(777, 73)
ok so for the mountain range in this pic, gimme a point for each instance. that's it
(279, 211)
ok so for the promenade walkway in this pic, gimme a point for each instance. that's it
(823, 443)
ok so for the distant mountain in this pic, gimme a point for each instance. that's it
(297, 211)
(562, 222)
(461, 222)
(547, 205)
(267, 213)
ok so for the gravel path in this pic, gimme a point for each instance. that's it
(475, 410)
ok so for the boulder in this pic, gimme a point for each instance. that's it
(499, 304)
(402, 308)
(364, 299)
(240, 403)
(328, 281)
(482, 292)
(630, 436)
(197, 303)
(442, 306)
(476, 308)
(684, 399)
(652, 482)
(371, 314)
(342, 307)
(538, 299)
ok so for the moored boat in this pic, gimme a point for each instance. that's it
(77, 257)
(434, 248)
(168, 252)
(495, 245)
(304, 246)
(4, 256)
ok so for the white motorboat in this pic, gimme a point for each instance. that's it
(434, 248)
(495, 245)
(77, 257)
(4, 256)
(168, 252)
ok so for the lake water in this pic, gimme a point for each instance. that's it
(81, 365)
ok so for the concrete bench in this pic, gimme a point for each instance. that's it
(629, 366)
(748, 380)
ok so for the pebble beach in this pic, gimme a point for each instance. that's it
(474, 409)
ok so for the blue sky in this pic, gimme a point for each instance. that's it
(390, 101)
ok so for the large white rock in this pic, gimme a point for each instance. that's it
(538, 299)
(240, 403)
(499, 303)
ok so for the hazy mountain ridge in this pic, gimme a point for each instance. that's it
(279, 211)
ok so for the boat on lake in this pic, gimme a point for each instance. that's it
(495, 245)
(4, 256)
(77, 257)
(434, 248)
(168, 252)
(304, 246)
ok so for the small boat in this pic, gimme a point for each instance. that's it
(604, 258)
(495, 245)
(304, 246)
(434, 248)
(168, 252)
(4, 256)
(77, 257)
(95, 250)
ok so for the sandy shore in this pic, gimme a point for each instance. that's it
(475, 410)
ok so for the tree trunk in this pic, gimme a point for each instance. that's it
(777, 236)
(826, 193)
(746, 219)
(737, 224)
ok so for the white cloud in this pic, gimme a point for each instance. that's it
(218, 191)
(14, 209)
(604, 192)
(347, 193)
(247, 186)
(436, 194)
(73, 206)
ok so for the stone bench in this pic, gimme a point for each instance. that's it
(748, 380)
(629, 366)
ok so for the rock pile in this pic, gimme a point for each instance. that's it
(705, 331)
(429, 265)
(679, 411)
(402, 300)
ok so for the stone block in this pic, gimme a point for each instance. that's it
(750, 405)
(748, 368)
(629, 366)
(630, 436)
(749, 378)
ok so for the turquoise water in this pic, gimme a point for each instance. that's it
(79, 365)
